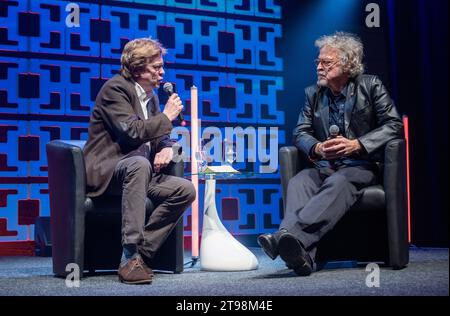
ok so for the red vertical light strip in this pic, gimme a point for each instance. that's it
(406, 127)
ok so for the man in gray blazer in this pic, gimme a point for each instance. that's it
(128, 145)
(358, 109)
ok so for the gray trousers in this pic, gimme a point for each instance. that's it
(318, 198)
(135, 180)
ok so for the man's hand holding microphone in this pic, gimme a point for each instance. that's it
(337, 146)
(172, 110)
(174, 106)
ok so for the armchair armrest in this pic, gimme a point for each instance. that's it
(67, 190)
(175, 169)
(173, 254)
(394, 183)
(291, 162)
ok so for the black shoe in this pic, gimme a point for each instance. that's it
(295, 256)
(269, 243)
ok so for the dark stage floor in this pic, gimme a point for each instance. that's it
(427, 274)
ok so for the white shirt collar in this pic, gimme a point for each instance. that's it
(142, 95)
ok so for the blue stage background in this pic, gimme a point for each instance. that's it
(50, 74)
(250, 59)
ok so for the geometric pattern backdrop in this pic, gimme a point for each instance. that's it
(50, 75)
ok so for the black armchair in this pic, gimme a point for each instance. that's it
(375, 228)
(87, 231)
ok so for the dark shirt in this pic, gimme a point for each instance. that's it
(337, 105)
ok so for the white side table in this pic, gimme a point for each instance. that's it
(219, 250)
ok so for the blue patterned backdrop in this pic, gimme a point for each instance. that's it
(50, 74)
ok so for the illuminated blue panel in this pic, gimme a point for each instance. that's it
(265, 50)
(245, 33)
(251, 206)
(64, 87)
(245, 7)
(10, 212)
(9, 28)
(78, 39)
(10, 102)
(53, 29)
(10, 165)
(49, 130)
(256, 99)
(108, 71)
(52, 89)
(40, 192)
(208, 84)
(259, 8)
(144, 23)
(79, 99)
(120, 33)
(207, 33)
(256, 48)
(267, 9)
(211, 5)
(128, 24)
(155, 2)
(186, 4)
(65, 130)
(186, 50)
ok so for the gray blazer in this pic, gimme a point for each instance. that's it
(118, 129)
(371, 117)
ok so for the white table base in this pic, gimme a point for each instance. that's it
(219, 250)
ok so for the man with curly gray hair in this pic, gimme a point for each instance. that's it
(347, 119)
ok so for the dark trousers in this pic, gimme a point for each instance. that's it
(318, 198)
(135, 180)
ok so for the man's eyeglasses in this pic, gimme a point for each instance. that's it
(157, 67)
(326, 63)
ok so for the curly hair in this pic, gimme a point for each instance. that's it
(137, 54)
(351, 51)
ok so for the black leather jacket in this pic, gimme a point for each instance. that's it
(371, 117)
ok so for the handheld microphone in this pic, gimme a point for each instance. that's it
(168, 88)
(334, 131)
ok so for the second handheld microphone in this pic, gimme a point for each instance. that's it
(168, 88)
(334, 131)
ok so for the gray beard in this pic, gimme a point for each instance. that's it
(322, 82)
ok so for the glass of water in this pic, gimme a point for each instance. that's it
(202, 161)
(230, 152)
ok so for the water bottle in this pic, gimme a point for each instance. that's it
(229, 152)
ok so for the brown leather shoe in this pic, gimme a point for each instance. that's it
(148, 270)
(135, 271)
(144, 255)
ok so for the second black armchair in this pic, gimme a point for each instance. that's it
(375, 228)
